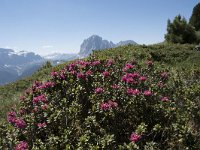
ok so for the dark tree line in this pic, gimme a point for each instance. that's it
(181, 31)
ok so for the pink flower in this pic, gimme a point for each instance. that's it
(41, 125)
(130, 78)
(88, 73)
(98, 90)
(105, 73)
(127, 67)
(39, 98)
(97, 62)
(80, 75)
(133, 92)
(22, 145)
(104, 106)
(147, 93)
(54, 74)
(47, 85)
(164, 99)
(112, 104)
(142, 78)
(115, 86)
(135, 137)
(19, 123)
(108, 105)
(71, 67)
(83, 64)
(62, 76)
(11, 117)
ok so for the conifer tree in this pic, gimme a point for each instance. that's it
(195, 18)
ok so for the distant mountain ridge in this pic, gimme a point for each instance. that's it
(96, 42)
(14, 65)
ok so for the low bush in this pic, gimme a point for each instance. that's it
(105, 104)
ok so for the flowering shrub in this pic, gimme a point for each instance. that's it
(101, 104)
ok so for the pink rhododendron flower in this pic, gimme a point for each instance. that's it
(112, 104)
(164, 99)
(47, 85)
(19, 123)
(80, 75)
(105, 73)
(104, 106)
(88, 73)
(133, 92)
(108, 105)
(54, 74)
(83, 63)
(97, 62)
(135, 137)
(98, 90)
(71, 67)
(41, 125)
(22, 145)
(115, 86)
(11, 117)
(127, 67)
(142, 78)
(147, 93)
(39, 98)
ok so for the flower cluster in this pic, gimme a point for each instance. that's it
(135, 137)
(39, 98)
(98, 90)
(108, 105)
(17, 122)
(128, 66)
(133, 92)
(22, 145)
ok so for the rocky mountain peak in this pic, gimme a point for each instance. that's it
(96, 42)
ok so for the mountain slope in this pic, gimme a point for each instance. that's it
(14, 64)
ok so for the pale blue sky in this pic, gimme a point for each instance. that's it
(46, 26)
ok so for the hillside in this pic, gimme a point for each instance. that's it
(176, 56)
(179, 63)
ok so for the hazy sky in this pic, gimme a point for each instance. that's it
(46, 26)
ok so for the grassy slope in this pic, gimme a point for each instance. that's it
(176, 56)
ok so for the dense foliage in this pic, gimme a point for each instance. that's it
(104, 104)
(179, 31)
(195, 18)
(118, 100)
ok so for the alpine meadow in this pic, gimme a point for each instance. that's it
(125, 96)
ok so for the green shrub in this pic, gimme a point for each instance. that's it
(106, 104)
